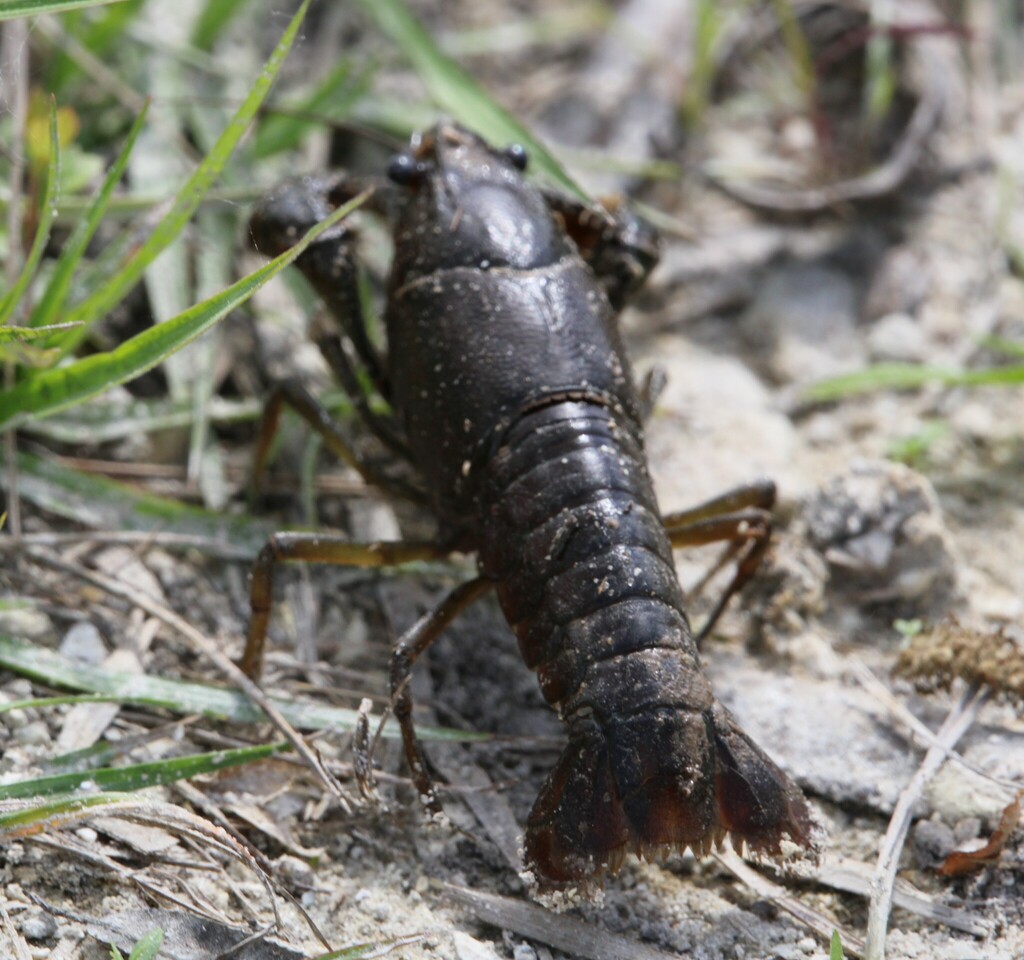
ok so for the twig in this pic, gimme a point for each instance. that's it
(207, 648)
(261, 934)
(14, 55)
(780, 896)
(878, 182)
(886, 177)
(18, 945)
(956, 724)
(874, 686)
(854, 876)
(570, 934)
(214, 813)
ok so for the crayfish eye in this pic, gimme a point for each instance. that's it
(517, 156)
(405, 171)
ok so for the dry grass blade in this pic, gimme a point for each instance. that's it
(956, 724)
(915, 728)
(209, 546)
(207, 648)
(821, 924)
(164, 816)
(186, 937)
(854, 876)
(576, 937)
(17, 942)
(68, 845)
(213, 812)
(178, 820)
(894, 170)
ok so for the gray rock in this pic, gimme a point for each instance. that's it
(899, 285)
(803, 324)
(37, 925)
(897, 337)
(84, 643)
(933, 842)
(468, 948)
(825, 733)
(881, 530)
(33, 734)
(26, 622)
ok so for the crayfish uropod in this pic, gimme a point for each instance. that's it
(514, 401)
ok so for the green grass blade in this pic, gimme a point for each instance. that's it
(909, 376)
(149, 946)
(56, 389)
(139, 776)
(11, 9)
(883, 376)
(1008, 376)
(33, 819)
(56, 293)
(44, 702)
(189, 197)
(835, 950)
(332, 100)
(12, 334)
(101, 422)
(103, 504)
(100, 754)
(1011, 348)
(215, 16)
(458, 93)
(46, 215)
(50, 668)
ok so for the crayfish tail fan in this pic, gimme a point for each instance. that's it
(577, 830)
(757, 803)
(654, 784)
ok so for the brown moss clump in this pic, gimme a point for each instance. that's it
(934, 658)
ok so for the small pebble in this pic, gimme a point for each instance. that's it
(468, 948)
(969, 828)
(934, 841)
(364, 899)
(84, 643)
(899, 337)
(802, 323)
(297, 872)
(26, 623)
(37, 925)
(33, 734)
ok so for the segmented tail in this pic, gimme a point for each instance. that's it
(656, 783)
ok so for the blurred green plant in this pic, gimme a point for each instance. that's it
(15, 9)
(146, 949)
(914, 450)
(911, 376)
